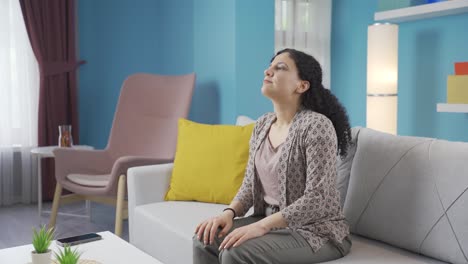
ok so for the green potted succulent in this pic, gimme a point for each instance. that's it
(41, 241)
(68, 256)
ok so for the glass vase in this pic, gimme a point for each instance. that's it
(65, 137)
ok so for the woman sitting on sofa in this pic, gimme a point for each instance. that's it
(289, 179)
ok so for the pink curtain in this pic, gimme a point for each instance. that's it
(51, 30)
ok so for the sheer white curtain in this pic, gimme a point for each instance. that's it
(305, 25)
(19, 89)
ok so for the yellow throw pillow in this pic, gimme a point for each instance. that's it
(210, 162)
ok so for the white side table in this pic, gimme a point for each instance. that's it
(47, 152)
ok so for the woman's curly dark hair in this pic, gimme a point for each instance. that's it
(319, 99)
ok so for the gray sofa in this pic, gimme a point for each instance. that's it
(405, 198)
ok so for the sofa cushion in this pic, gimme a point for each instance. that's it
(166, 229)
(162, 227)
(100, 180)
(410, 192)
(210, 162)
(343, 166)
(366, 251)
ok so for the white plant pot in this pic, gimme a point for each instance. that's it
(42, 258)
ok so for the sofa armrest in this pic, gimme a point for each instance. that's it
(147, 184)
(123, 164)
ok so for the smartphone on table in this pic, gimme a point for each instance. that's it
(75, 240)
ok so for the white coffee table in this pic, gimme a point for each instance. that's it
(110, 250)
(47, 152)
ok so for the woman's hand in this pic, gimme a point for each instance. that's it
(242, 234)
(207, 229)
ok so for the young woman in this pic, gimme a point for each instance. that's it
(290, 177)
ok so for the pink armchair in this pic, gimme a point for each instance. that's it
(144, 132)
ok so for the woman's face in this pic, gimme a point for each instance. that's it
(281, 82)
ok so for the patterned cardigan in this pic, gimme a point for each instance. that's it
(309, 200)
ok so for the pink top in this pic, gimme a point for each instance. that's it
(266, 165)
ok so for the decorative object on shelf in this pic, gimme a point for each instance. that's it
(444, 8)
(461, 68)
(68, 256)
(385, 5)
(457, 85)
(457, 89)
(41, 241)
(382, 77)
(65, 136)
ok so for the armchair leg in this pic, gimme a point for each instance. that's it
(119, 205)
(55, 205)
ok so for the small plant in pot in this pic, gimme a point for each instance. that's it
(41, 241)
(68, 256)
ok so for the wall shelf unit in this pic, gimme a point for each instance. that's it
(450, 7)
(452, 108)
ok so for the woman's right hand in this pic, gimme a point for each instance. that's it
(207, 229)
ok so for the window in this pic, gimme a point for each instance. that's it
(19, 79)
(305, 25)
(19, 89)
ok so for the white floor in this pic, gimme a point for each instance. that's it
(16, 222)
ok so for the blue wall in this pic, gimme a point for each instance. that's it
(175, 34)
(116, 40)
(427, 50)
(214, 56)
(349, 55)
(255, 38)
(229, 45)
(233, 43)
(226, 43)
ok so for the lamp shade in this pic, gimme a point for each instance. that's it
(382, 77)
